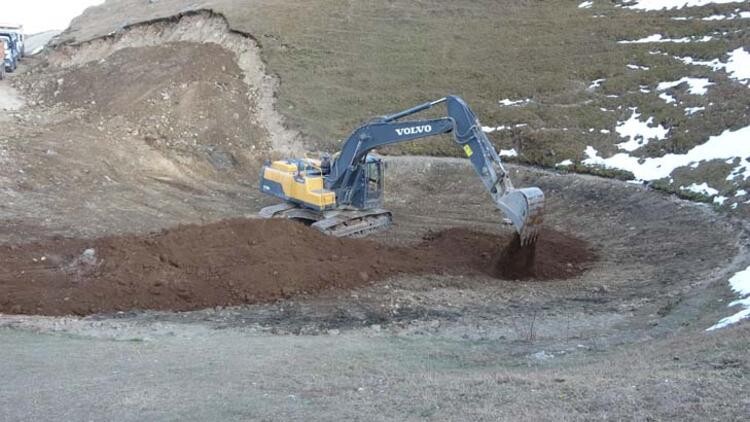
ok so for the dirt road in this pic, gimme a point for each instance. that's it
(10, 99)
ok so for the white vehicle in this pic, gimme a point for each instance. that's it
(3, 55)
(10, 61)
(18, 31)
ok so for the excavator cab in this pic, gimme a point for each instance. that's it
(367, 191)
(374, 180)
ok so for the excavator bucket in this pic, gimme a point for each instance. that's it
(525, 209)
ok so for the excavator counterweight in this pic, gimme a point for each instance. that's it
(343, 195)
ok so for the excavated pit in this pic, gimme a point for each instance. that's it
(100, 160)
(245, 261)
(555, 255)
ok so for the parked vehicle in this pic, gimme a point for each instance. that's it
(2, 54)
(11, 52)
(16, 31)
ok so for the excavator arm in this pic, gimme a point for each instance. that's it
(523, 207)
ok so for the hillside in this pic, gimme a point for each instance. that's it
(585, 86)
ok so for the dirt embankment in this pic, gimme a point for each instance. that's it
(154, 125)
(244, 261)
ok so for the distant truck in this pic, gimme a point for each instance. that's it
(12, 46)
(2, 54)
(10, 58)
(16, 32)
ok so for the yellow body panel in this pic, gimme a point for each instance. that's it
(300, 187)
(284, 166)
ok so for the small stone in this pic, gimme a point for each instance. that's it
(88, 257)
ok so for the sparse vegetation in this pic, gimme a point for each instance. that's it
(341, 62)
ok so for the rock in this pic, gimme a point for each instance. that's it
(88, 257)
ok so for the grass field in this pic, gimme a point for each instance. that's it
(341, 62)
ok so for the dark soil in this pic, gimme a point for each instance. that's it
(555, 255)
(245, 261)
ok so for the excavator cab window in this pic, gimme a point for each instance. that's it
(374, 180)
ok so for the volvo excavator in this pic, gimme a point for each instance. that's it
(342, 195)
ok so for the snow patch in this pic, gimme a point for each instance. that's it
(637, 67)
(586, 5)
(740, 284)
(659, 38)
(508, 153)
(596, 83)
(692, 110)
(508, 102)
(741, 192)
(639, 132)
(737, 66)
(672, 4)
(702, 189)
(564, 163)
(696, 86)
(741, 171)
(489, 129)
(741, 15)
(667, 98)
(728, 144)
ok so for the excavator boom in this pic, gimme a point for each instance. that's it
(327, 191)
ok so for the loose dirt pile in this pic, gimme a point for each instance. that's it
(183, 99)
(245, 261)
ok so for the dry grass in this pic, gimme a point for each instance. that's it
(341, 62)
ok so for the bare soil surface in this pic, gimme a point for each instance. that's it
(238, 262)
(10, 99)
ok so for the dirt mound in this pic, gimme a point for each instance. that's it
(235, 262)
(177, 97)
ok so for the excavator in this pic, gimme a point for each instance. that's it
(342, 195)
